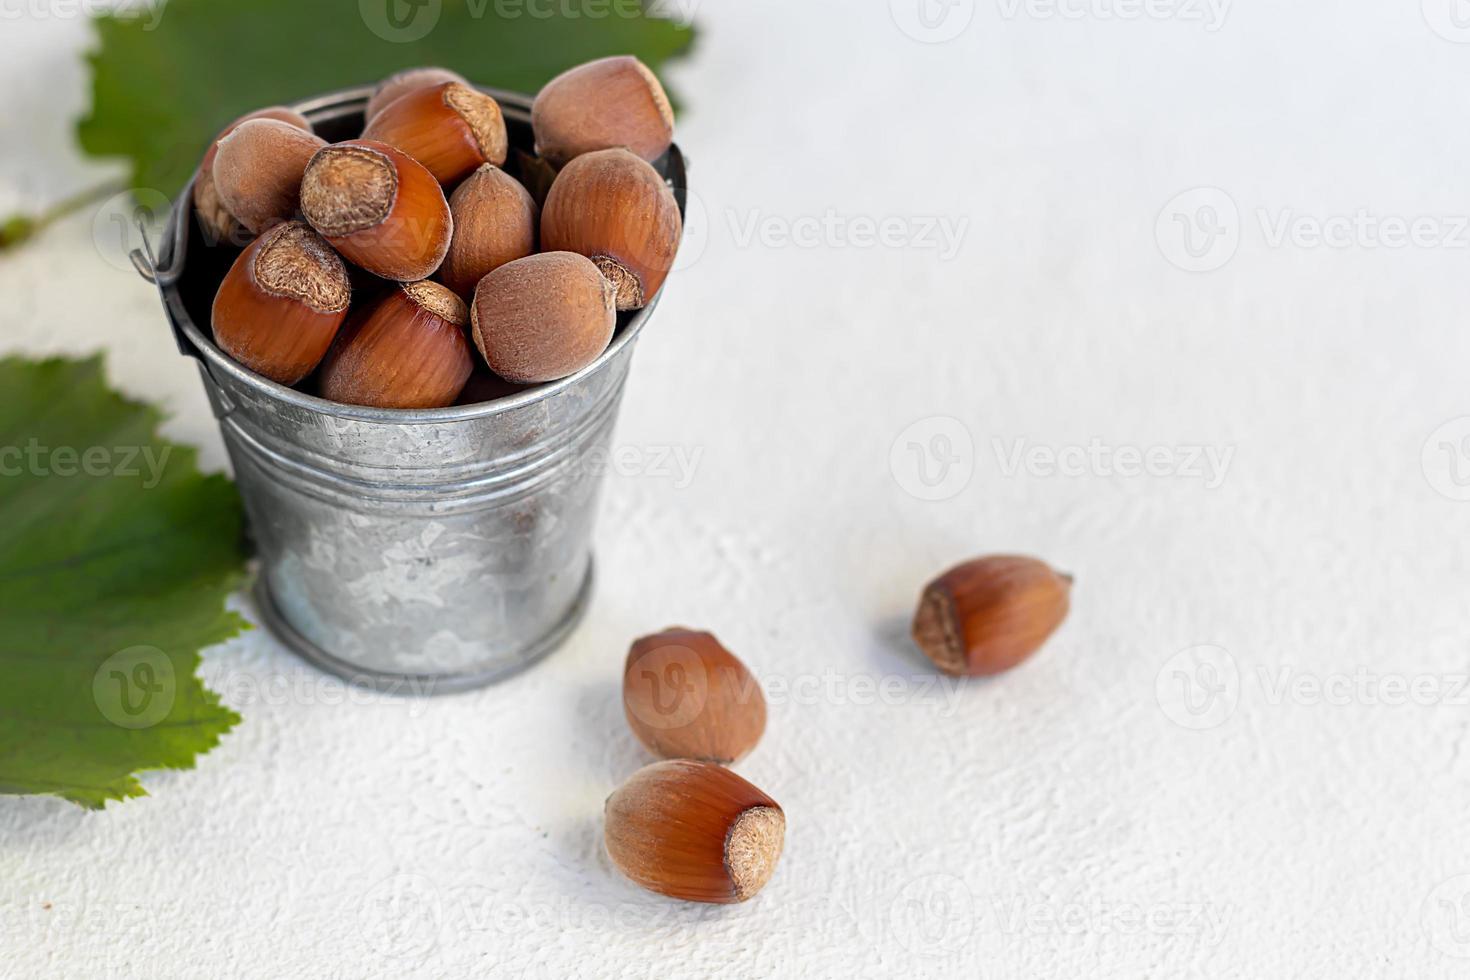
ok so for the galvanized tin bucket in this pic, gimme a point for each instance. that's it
(417, 551)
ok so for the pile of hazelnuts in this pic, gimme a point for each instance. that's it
(442, 250)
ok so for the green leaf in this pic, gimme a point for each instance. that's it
(116, 557)
(162, 88)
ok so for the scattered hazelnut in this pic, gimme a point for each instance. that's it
(408, 350)
(694, 831)
(379, 207)
(605, 103)
(450, 128)
(399, 84)
(687, 697)
(214, 218)
(986, 616)
(543, 317)
(257, 171)
(494, 223)
(282, 302)
(615, 209)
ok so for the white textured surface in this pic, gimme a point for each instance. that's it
(1054, 822)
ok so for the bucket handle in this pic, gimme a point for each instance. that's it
(145, 261)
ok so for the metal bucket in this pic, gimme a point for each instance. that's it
(425, 551)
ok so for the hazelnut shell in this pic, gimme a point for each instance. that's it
(694, 831)
(494, 223)
(615, 209)
(451, 128)
(379, 207)
(687, 697)
(543, 317)
(988, 615)
(214, 218)
(610, 102)
(408, 350)
(399, 84)
(257, 171)
(282, 303)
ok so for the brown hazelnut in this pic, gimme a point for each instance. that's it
(694, 831)
(257, 171)
(282, 302)
(615, 209)
(687, 697)
(543, 317)
(408, 350)
(379, 207)
(450, 128)
(401, 83)
(214, 218)
(494, 223)
(605, 103)
(988, 615)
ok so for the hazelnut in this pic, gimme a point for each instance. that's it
(408, 350)
(543, 317)
(988, 615)
(615, 209)
(605, 103)
(694, 831)
(379, 207)
(214, 218)
(401, 83)
(494, 223)
(687, 697)
(257, 171)
(450, 128)
(282, 302)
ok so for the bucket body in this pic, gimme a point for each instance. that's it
(445, 548)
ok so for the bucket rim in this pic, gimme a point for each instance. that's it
(173, 254)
